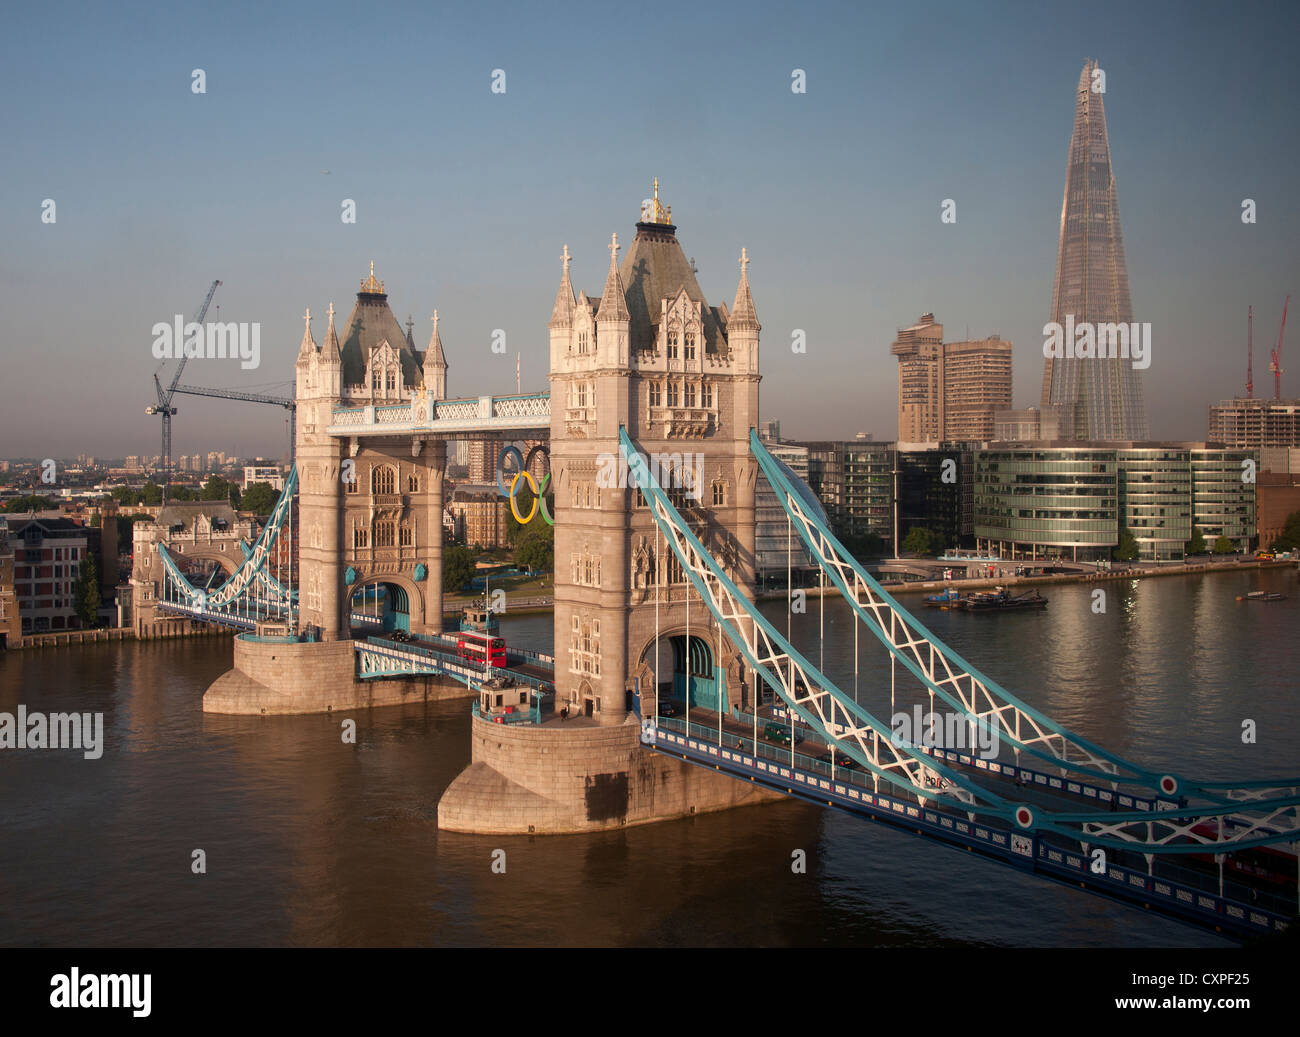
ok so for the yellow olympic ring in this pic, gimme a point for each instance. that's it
(532, 485)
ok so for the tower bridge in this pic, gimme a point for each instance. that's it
(655, 616)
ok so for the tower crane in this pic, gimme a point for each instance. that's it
(287, 402)
(1275, 365)
(164, 405)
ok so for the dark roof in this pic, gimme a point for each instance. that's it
(370, 323)
(655, 266)
(183, 513)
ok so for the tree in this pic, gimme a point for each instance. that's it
(85, 592)
(32, 502)
(1223, 546)
(864, 545)
(259, 498)
(536, 551)
(217, 488)
(151, 494)
(458, 568)
(95, 521)
(918, 541)
(1127, 551)
(1289, 539)
(1195, 546)
(126, 495)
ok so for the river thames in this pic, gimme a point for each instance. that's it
(313, 842)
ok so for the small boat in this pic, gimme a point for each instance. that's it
(998, 600)
(1262, 596)
(949, 598)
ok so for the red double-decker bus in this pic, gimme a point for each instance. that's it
(483, 650)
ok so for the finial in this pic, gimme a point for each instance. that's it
(331, 311)
(566, 257)
(659, 213)
(370, 284)
(434, 318)
(307, 317)
(613, 248)
(744, 261)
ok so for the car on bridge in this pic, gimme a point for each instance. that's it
(843, 762)
(780, 734)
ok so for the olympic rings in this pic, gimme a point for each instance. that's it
(539, 492)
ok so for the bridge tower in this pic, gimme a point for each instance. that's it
(370, 514)
(649, 354)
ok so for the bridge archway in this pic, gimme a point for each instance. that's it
(696, 680)
(382, 603)
(192, 558)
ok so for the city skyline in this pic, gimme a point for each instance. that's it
(470, 206)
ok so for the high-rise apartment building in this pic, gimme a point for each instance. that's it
(1091, 286)
(949, 391)
(1255, 424)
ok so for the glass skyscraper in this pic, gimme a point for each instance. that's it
(1092, 283)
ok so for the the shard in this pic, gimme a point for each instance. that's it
(1103, 394)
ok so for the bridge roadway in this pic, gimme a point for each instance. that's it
(430, 653)
(1184, 888)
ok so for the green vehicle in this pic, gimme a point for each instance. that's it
(777, 733)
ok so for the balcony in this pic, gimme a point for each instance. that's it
(682, 422)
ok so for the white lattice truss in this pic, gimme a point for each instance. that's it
(844, 724)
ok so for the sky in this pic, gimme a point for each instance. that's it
(466, 197)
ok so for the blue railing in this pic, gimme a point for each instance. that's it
(531, 715)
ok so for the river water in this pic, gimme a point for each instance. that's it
(313, 842)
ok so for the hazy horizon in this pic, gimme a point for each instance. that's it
(466, 197)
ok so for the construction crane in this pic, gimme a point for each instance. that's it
(1275, 365)
(287, 402)
(164, 405)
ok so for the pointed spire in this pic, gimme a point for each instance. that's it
(613, 304)
(330, 352)
(742, 313)
(434, 356)
(308, 346)
(562, 314)
(410, 342)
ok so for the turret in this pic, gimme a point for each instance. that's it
(331, 362)
(306, 362)
(612, 318)
(561, 323)
(742, 324)
(435, 364)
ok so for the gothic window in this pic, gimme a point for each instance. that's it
(391, 380)
(690, 394)
(672, 345)
(412, 484)
(405, 534)
(690, 346)
(360, 537)
(719, 494)
(672, 394)
(706, 395)
(656, 394)
(353, 484)
(582, 342)
(377, 379)
(383, 534)
(383, 480)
